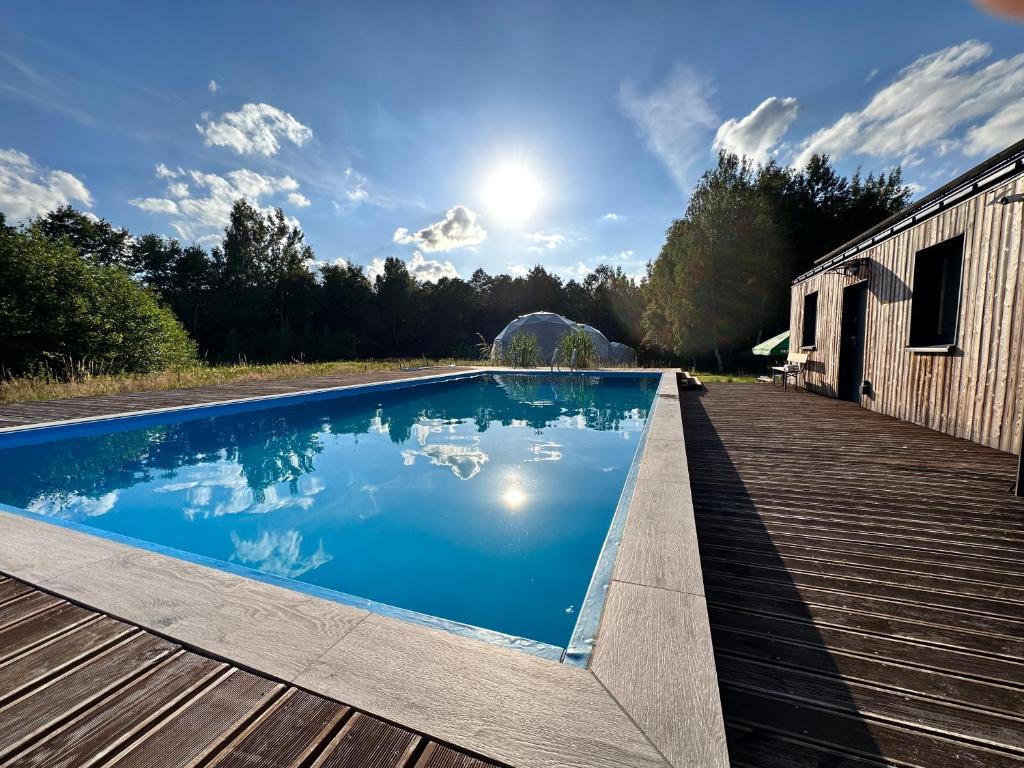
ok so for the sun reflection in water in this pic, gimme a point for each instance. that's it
(513, 497)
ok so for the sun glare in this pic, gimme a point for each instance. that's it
(513, 497)
(512, 193)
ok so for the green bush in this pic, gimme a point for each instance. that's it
(63, 316)
(576, 350)
(521, 351)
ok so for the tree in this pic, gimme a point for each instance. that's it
(95, 239)
(62, 315)
(345, 310)
(395, 292)
(721, 281)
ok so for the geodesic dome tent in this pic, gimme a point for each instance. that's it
(547, 327)
(602, 347)
(622, 354)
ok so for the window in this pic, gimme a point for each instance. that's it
(935, 301)
(810, 328)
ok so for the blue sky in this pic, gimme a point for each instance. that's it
(457, 135)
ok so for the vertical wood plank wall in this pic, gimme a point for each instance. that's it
(975, 391)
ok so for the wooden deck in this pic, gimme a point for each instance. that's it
(865, 584)
(35, 412)
(79, 688)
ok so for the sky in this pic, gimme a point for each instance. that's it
(459, 135)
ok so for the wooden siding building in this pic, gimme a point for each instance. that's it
(922, 316)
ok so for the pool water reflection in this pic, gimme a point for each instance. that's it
(482, 500)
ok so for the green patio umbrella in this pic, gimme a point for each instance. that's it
(776, 345)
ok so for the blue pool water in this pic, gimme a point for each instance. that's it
(483, 500)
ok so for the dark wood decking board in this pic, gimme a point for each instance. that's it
(865, 584)
(79, 688)
(36, 412)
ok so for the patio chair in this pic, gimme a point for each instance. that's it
(793, 369)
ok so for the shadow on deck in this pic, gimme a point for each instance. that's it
(864, 584)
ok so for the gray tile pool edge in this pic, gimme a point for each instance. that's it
(653, 651)
(554, 717)
(581, 643)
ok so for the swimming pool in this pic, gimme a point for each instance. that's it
(477, 503)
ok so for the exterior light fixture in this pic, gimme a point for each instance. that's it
(1006, 199)
(854, 268)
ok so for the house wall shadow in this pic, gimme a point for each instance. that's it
(887, 286)
(763, 632)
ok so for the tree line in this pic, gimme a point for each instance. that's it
(78, 291)
(259, 295)
(721, 282)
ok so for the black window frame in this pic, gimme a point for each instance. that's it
(810, 301)
(935, 295)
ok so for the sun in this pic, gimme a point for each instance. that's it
(512, 193)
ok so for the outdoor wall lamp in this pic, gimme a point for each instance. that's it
(1006, 199)
(855, 268)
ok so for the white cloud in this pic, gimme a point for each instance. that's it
(72, 506)
(546, 241)
(254, 129)
(155, 205)
(278, 553)
(674, 118)
(464, 461)
(927, 104)
(998, 132)
(871, 75)
(201, 216)
(612, 217)
(458, 229)
(376, 268)
(163, 172)
(756, 134)
(298, 200)
(213, 86)
(28, 190)
(423, 269)
(429, 270)
(355, 186)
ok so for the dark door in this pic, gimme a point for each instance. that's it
(851, 345)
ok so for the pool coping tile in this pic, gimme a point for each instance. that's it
(650, 697)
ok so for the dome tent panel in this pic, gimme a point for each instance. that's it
(622, 354)
(547, 327)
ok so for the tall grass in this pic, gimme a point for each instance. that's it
(46, 385)
(521, 351)
(576, 350)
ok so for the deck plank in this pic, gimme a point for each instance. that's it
(105, 729)
(81, 688)
(198, 728)
(51, 622)
(367, 742)
(863, 578)
(58, 700)
(287, 733)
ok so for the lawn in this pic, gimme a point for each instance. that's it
(725, 378)
(48, 388)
